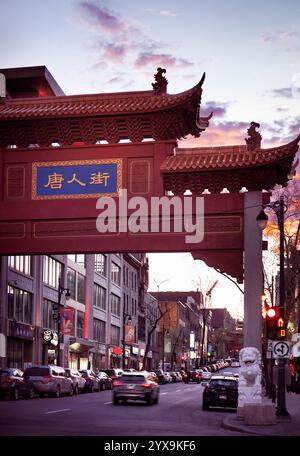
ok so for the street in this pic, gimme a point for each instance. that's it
(178, 413)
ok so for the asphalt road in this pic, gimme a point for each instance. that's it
(179, 413)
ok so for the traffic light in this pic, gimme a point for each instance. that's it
(275, 324)
(272, 315)
(281, 328)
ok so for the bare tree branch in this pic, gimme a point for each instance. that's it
(229, 278)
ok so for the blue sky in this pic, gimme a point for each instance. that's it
(250, 52)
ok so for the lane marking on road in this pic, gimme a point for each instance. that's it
(163, 393)
(106, 403)
(56, 411)
(177, 391)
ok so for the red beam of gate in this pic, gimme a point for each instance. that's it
(39, 226)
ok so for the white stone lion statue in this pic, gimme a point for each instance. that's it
(250, 367)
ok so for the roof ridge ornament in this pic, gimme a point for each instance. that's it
(254, 140)
(160, 84)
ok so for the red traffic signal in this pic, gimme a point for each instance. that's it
(272, 315)
(271, 312)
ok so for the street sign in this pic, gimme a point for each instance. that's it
(270, 345)
(281, 349)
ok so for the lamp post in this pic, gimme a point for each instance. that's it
(126, 319)
(163, 333)
(262, 220)
(61, 291)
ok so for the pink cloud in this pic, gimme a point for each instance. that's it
(114, 52)
(166, 60)
(101, 17)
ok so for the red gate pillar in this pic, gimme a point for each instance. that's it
(253, 271)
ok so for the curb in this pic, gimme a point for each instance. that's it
(227, 424)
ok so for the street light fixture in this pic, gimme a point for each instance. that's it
(61, 291)
(262, 220)
(126, 319)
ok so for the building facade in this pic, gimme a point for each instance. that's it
(71, 310)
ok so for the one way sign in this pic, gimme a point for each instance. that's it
(281, 349)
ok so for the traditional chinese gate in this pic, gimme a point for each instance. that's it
(59, 154)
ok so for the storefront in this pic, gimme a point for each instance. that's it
(80, 353)
(134, 357)
(115, 356)
(19, 344)
(49, 347)
(99, 357)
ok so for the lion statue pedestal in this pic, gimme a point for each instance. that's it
(250, 406)
(250, 390)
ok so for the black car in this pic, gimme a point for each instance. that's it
(221, 391)
(191, 376)
(160, 375)
(13, 384)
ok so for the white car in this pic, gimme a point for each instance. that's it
(168, 377)
(179, 376)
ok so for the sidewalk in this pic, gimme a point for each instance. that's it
(286, 426)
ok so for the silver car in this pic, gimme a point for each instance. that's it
(77, 379)
(49, 379)
(137, 386)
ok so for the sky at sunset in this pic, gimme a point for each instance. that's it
(250, 52)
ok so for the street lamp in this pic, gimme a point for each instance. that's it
(61, 291)
(262, 220)
(126, 319)
(164, 333)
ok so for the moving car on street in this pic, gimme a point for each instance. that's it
(221, 391)
(137, 386)
(191, 376)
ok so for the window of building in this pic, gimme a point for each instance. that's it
(76, 285)
(20, 306)
(115, 304)
(80, 288)
(21, 263)
(100, 264)
(99, 297)
(99, 330)
(71, 282)
(115, 274)
(114, 335)
(80, 324)
(51, 272)
(78, 258)
(48, 321)
(142, 328)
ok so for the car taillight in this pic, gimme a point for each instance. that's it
(47, 377)
(6, 380)
(117, 383)
(146, 385)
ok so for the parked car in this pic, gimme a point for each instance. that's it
(179, 376)
(174, 377)
(205, 375)
(49, 379)
(92, 383)
(114, 374)
(77, 379)
(105, 381)
(154, 377)
(168, 377)
(221, 392)
(136, 386)
(191, 376)
(12, 384)
(235, 362)
(160, 376)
